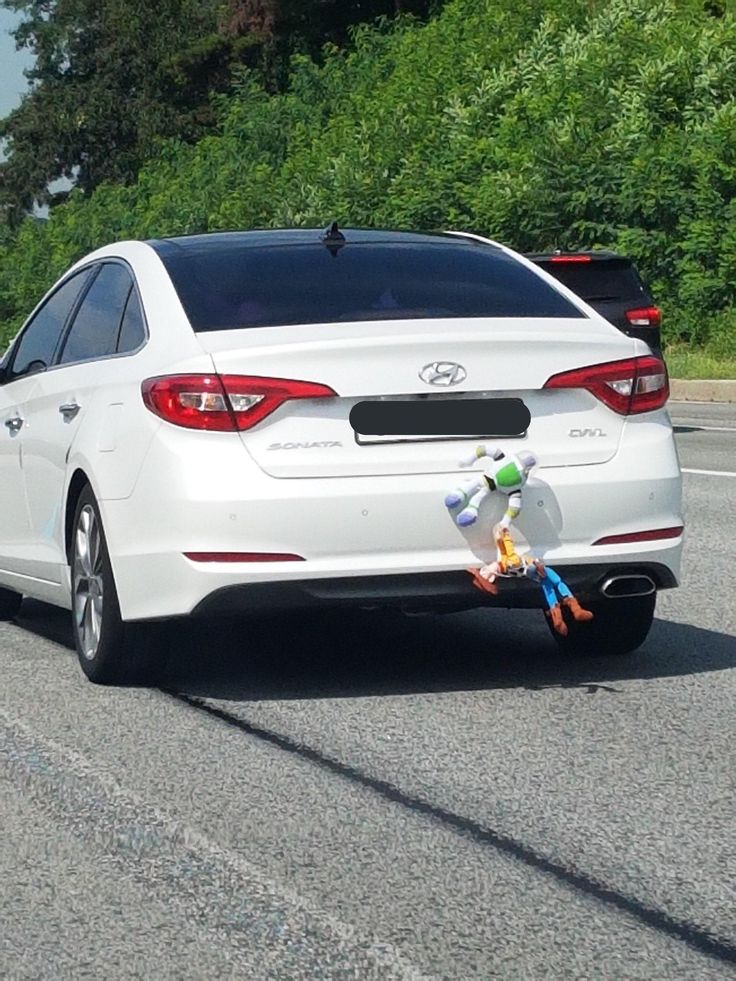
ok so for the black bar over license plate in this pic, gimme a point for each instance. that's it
(409, 421)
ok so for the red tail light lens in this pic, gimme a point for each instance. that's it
(223, 403)
(655, 535)
(644, 317)
(628, 387)
(571, 258)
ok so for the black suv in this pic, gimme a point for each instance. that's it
(611, 285)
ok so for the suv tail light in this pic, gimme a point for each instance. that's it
(644, 317)
(628, 387)
(571, 258)
(223, 403)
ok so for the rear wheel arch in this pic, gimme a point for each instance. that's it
(110, 651)
(79, 481)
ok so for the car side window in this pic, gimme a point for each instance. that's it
(35, 348)
(94, 332)
(133, 327)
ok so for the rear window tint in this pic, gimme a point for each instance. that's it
(599, 280)
(223, 285)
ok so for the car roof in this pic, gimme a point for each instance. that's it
(309, 236)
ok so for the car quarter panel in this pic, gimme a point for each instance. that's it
(117, 429)
(108, 437)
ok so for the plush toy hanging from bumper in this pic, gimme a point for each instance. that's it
(508, 473)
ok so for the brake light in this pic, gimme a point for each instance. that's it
(223, 403)
(656, 534)
(628, 387)
(644, 317)
(571, 258)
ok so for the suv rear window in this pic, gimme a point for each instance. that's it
(226, 285)
(614, 279)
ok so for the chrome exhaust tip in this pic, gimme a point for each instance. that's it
(617, 587)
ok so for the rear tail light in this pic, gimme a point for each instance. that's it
(644, 317)
(655, 535)
(628, 387)
(223, 403)
(571, 258)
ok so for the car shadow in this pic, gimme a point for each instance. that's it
(356, 654)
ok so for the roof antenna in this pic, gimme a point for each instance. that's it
(333, 238)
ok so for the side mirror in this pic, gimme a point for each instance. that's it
(35, 367)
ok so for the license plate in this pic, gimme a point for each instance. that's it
(415, 421)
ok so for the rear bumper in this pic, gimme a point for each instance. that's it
(430, 591)
(385, 540)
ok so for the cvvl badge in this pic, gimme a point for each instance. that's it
(443, 373)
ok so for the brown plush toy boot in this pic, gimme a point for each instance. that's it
(576, 609)
(558, 624)
(480, 582)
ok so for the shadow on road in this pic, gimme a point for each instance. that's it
(360, 654)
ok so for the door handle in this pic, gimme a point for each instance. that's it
(14, 424)
(69, 410)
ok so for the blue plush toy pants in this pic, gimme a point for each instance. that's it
(551, 585)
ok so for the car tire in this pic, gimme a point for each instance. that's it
(619, 626)
(9, 604)
(111, 652)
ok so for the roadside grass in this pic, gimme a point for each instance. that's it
(693, 363)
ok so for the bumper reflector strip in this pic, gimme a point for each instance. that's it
(242, 557)
(642, 536)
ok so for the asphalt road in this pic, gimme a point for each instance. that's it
(360, 797)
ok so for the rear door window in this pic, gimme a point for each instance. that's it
(133, 328)
(35, 348)
(227, 285)
(94, 332)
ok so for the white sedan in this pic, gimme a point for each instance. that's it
(176, 437)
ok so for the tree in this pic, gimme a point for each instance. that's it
(277, 29)
(113, 77)
(110, 76)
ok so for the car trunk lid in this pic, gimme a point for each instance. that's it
(501, 358)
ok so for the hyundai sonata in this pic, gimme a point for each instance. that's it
(176, 437)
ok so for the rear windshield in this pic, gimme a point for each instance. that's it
(228, 286)
(599, 280)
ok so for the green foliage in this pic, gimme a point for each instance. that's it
(693, 363)
(552, 123)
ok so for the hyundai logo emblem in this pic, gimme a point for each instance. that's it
(443, 373)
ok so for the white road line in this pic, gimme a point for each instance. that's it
(711, 473)
(692, 424)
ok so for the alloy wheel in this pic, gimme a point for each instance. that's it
(88, 583)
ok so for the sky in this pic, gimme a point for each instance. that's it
(12, 63)
(12, 81)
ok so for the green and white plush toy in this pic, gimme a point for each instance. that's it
(504, 472)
